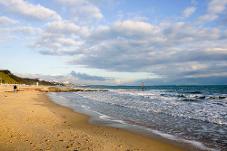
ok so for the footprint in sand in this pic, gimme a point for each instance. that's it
(47, 140)
(48, 148)
(67, 146)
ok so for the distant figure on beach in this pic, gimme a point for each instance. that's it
(15, 88)
(142, 86)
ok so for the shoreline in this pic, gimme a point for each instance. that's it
(31, 121)
(86, 119)
(94, 120)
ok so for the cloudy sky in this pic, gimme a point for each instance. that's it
(116, 41)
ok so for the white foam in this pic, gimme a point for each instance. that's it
(136, 92)
(192, 142)
(206, 111)
(104, 117)
(85, 107)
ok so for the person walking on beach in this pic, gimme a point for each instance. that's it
(15, 88)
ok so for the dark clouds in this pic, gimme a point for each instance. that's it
(83, 76)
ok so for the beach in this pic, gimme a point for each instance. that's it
(31, 121)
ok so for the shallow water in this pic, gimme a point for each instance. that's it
(195, 115)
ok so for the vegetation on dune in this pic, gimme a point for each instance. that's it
(6, 77)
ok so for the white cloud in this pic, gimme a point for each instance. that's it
(219, 50)
(53, 44)
(63, 26)
(18, 32)
(67, 27)
(215, 8)
(72, 2)
(127, 29)
(189, 11)
(61, 38)
(22, 7)
(92, 11)
(6, 21)
(82, 8)
(131, 26)
(27, 30)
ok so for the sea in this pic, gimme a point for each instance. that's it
(193, 116)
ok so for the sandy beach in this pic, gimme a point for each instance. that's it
(30, 121)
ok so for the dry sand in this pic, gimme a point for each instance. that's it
(30, 121)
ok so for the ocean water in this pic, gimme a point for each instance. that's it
(192, 115)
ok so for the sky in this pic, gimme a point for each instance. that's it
(116, 41)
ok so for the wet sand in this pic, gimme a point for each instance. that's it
(30, 121)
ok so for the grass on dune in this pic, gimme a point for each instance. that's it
(6, 77)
